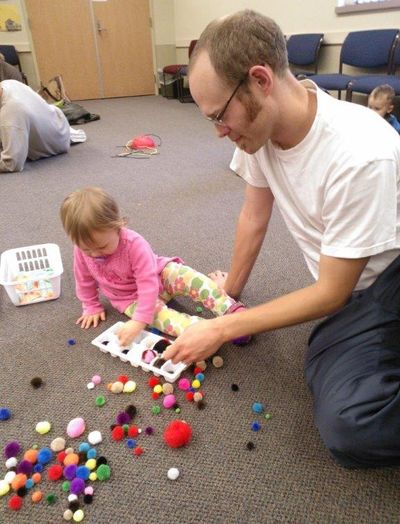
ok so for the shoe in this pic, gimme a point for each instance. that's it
(237, 307)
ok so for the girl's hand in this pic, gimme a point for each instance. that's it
(129, 331)
(91, 320)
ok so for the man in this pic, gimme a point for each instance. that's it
(30, 128)
(333, 170)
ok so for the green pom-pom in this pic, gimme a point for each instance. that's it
(35, 446)
(65, 485)
(177, 410)
(100, 401)
(156, 410)
(51, 498)
(103, 472)
(125, 427)
(199, 309)
(267, 416)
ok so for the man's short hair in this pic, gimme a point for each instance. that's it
(237, 42)
(384, 90)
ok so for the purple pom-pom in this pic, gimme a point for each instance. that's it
(12, 449)
(123, 418)
(25, 467)
(70, 471)
(77, 486)
(149, 430)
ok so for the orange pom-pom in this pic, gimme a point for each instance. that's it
(19, 481)
(71, 458)
(37, 496)
(31, 455)
(36, 477)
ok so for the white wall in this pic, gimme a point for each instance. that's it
(309, 16)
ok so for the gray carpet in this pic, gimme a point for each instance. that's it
(185, 202)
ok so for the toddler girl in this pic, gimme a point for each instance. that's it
(121, 264)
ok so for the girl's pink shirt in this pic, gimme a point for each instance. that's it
(130, 274)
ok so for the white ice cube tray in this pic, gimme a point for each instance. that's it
(145, 341)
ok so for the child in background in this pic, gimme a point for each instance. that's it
(381, 100)
(121, 264)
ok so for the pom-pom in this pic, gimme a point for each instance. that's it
(255, 426)
(118, 433)
(123, 378)
(67, 515)
(83, 472)
(19, 481)
(36, 477)
(235, 387)
(77, 486)
(122, 418)
(70, 471)
(153, 381)
(100, 401)
(71, 458)
(200, 404)
(149, 430)
(61, 457)
(92, 453)
(184, 384)
(88, 499)
(155, 395)
(257, 407)
(74, 505)
(189, 395)
(51, 499)
(177, 434)
(131, 410)
(12, 449)
(71, 342)
(84, 447)
(5, 414)
(43, 427)
(45, 455)
(76, 427)
(29, 484)
(38, 468)
(25, 467)
(138, 451)
(101, 460)
(95, 437)
(36, 382)
(250, 445)
(133, 431)
(37, 496)
(96, 379)
(15, 503)
(54, 472)
(65, 485)
(78, 515)
(218, 361)
(131, 443)
(156, 410)
(103, 472)
(173, 473)
(169, 401)
(197, 370)
(22, 491)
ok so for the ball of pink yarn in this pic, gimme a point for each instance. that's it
(169, 401)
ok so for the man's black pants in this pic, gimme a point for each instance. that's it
(353, 371)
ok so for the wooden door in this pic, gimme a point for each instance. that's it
(124, 43)
(64, 43)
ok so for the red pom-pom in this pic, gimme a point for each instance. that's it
(138, 451)
(177, 434)
(118, 433)
(133, 431)
(155, 395)
(189, 396)
(123, 378)
(197, 370)
(15, 503)
(61, 456)
(153, 381)
(54, 472)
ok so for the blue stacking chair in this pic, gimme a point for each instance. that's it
(367, 83)
(303, 50)
(11, 57)
(371, 49)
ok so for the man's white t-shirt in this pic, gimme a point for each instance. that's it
(338, 190)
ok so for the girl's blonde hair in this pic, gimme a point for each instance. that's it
(88, 210)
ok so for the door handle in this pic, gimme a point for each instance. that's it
(99, 27)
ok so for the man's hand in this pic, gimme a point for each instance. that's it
(129, 331)
(219, 277)
(91, 320)
(198, 342)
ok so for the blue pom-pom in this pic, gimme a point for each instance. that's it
(71, 342)
(5, 413)
(131, 443)
(44, 456)
(84, 447)
(257, 407)
(200, 377)
(38, 468)
(29, 484)
(92, 453)
(256, 426)
(83, 472)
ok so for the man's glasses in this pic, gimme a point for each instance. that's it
(218, 119)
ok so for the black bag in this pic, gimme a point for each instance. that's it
(76, 114)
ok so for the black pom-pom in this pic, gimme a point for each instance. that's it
(21, 492)
(101, 460)
(235, 387)
(36, 382)
(88, 499)
(131, 410)
(82, 457)
(250, 445)
(201, 404)
(74, 505)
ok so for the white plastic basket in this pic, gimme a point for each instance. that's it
(31, 274)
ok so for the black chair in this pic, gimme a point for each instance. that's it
(11, 57)
(183, 94)
(174, 71)
(367, 83)
(303, 50)
(364, 50)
